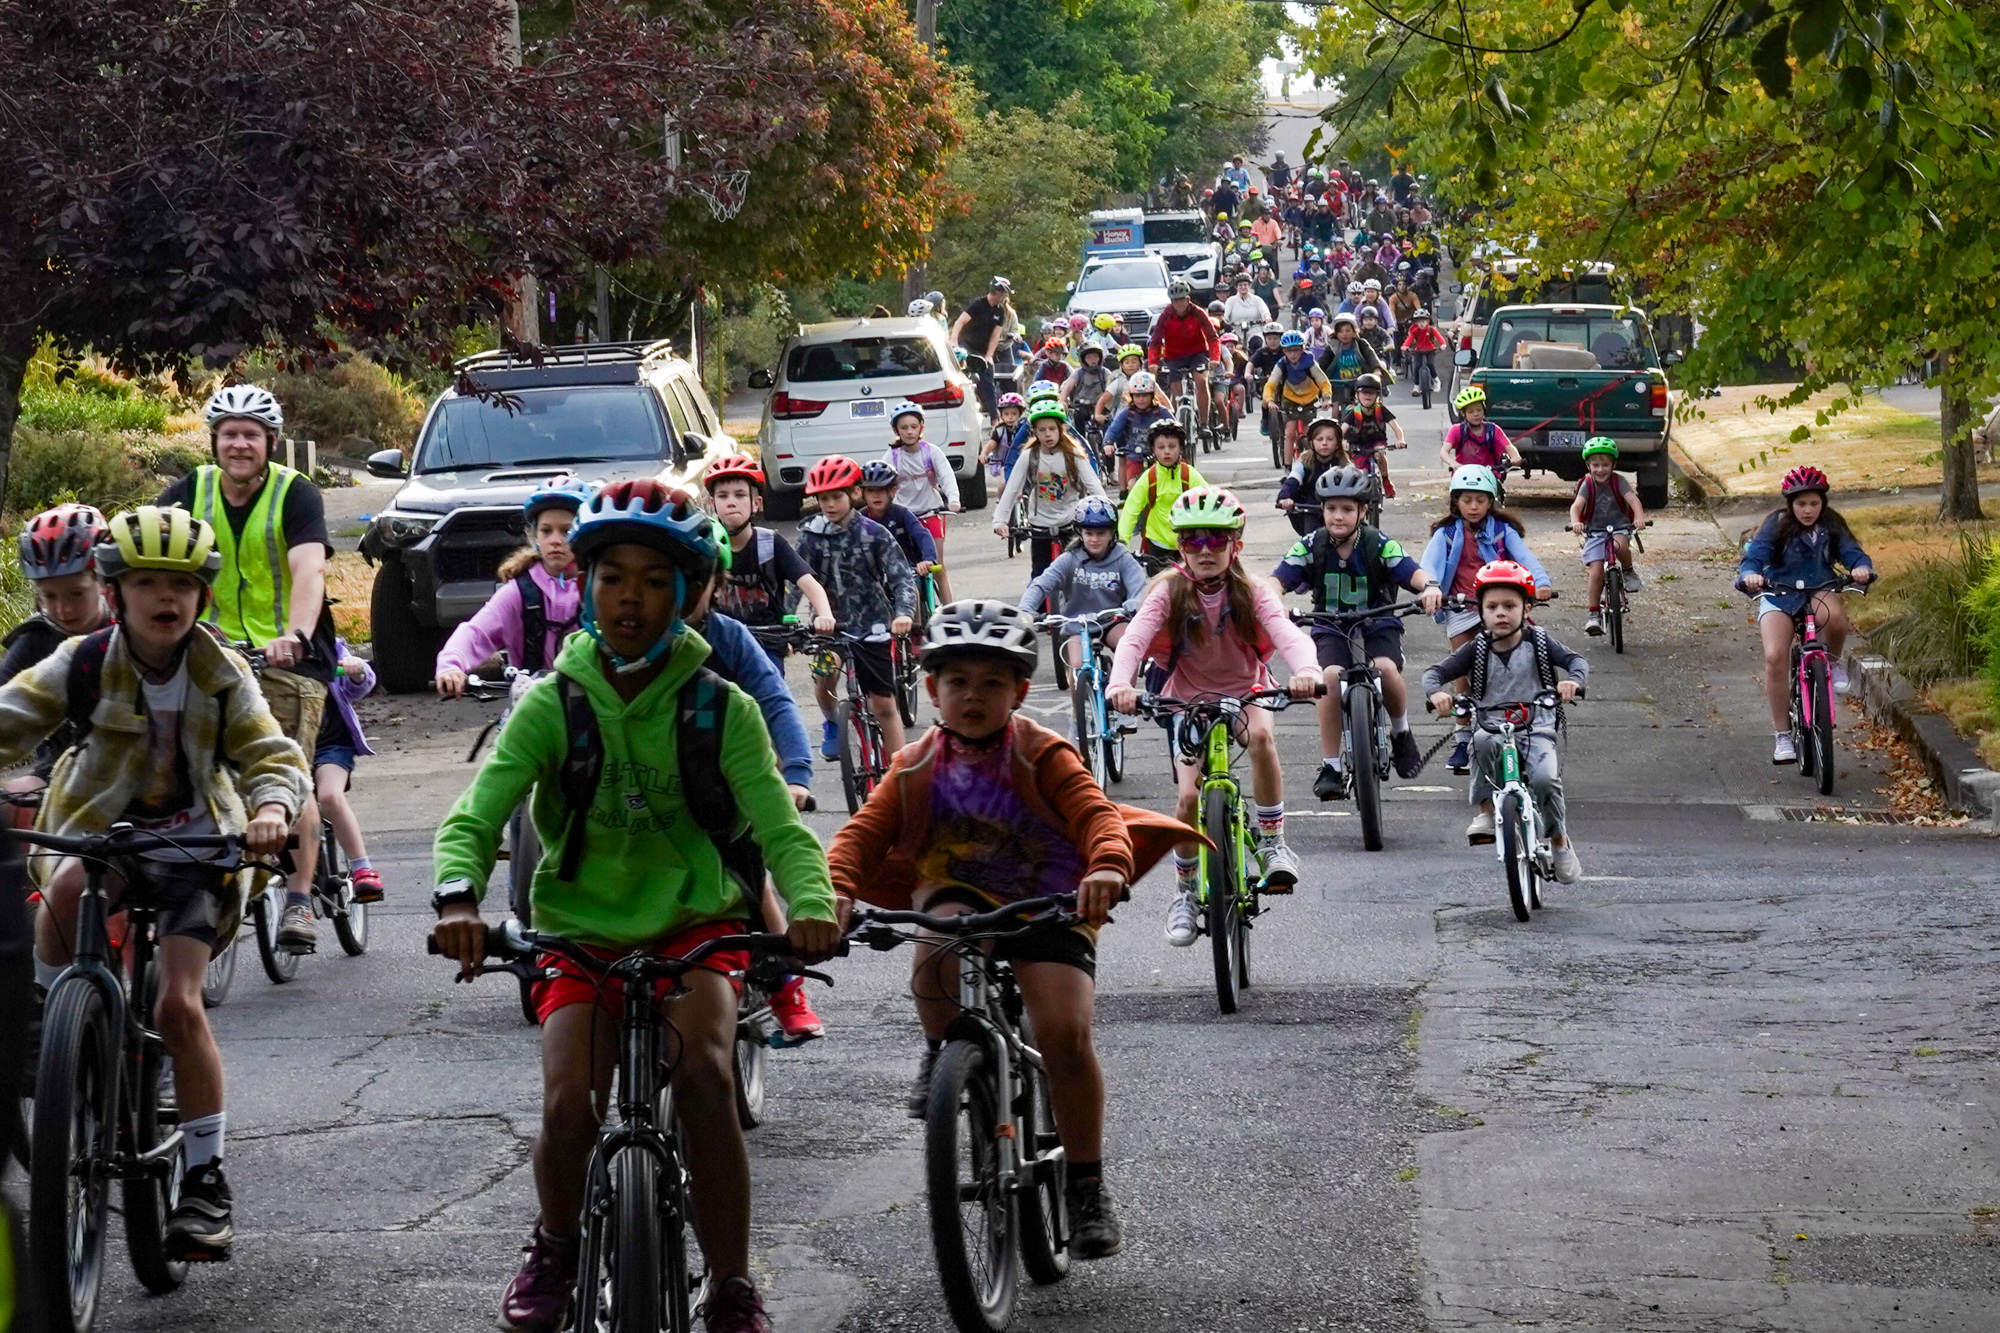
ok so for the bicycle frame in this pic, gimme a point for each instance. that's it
(1218, 774)
(1805, 650)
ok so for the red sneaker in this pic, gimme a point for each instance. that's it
(795, 1014)
(1388, 489)
(367, 886)
(537, 1300)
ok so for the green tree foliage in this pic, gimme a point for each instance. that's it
(1813, 180)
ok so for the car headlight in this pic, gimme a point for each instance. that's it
(404, 529)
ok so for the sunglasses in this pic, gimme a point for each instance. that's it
(1213, 541)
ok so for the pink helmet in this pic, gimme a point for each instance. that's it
(1804, 478)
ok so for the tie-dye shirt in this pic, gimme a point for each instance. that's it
(983, 836)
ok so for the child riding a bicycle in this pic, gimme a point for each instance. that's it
(1096, 574)
(1055, 474)
(1129, 432)
(339, 742)
(912, 534)
(1475, 441)
(69, 600)
(1806, 542)
(925, 484)
(182, 744)
(1215, 629)
(535, 607)
(1366, 425)
(1297, 493)
(1511, 661)
(1297, 387)
(632, 871)
(873, 592)
(1348, 566)
(1603, 501)
(1145, 522)
(762, 566)
(989, 808)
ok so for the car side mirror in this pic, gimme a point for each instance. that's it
(1456, 288)
(761, 379)
(387, 463)
(695, 445)
(1069, 286)
(1464, 357)
(1673, 358)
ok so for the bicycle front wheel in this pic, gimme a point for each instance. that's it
(1223, 881)
(1089, 740)
(350, 918)
(619, 1289)
(905, 662)
(76, 1108)
(850, 759)
(150, 1195)
(268, 909)
(975, 1228)
(1819, 690)
(219, 976)
(1514, 855)
(1361, 766)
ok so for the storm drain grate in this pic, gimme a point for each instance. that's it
(1807, 814)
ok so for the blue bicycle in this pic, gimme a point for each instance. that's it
(1099, 737)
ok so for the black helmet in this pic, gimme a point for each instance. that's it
(1344, 483)
(877, 475)
(1370, 382)
(1216, 307)
(981, 627)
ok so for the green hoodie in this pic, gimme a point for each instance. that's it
(647, 871)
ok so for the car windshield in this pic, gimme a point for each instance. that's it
(861, 359)
(1618, 342)
(1116, 277)
(1175, 231)
(598, 423)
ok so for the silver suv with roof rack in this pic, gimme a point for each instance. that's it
(597, 412)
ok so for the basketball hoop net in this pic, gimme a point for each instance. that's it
(726, 194)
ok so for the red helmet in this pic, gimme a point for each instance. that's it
(1802, 479)
(1305, 284)
(1503, 574)
(733, 465)
(833, 474)
(58, 541)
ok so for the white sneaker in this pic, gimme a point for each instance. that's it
(1839, 679)
(1632, 582)
(1181, 920)
(1568, 869)
(1279, 866)
(1594, 625)
(1480, 830)
(1782, 749)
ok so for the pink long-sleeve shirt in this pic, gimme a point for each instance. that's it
(1225, 662)
(497, 624)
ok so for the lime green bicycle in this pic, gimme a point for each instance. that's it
(1207, 731)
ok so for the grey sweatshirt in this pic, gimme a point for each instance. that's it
(1510, 677)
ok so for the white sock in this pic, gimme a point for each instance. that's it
(46, 973)
(1399, 724)
(203, 1139)
(1271, 821)
(1330, 760)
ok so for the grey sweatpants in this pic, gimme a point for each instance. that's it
(1544, 777)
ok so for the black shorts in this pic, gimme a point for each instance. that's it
(1380, 641)
(1072, 946)
(873, 668)
(186, 897)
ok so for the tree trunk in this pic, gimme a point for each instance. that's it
(1959, 499)
(17, 344)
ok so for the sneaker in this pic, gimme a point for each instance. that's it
(1388, 489)
(829, 741)
(1403, 752)
(367, 886)
(795, 1013)
(1094, 1232)
(734, 1307)
(200, 1229)
(1279, 866)
(1182, 920)
(1593, 625)
(1460, 761)
(537, 1300)
(1632, 580)
(1782, 749)
(1839, 678)
(1331, 784)
(1568, 869)
(296, 931)
(1480, 831)
(918, 1103)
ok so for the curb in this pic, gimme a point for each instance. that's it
(1702, 487)
(1954, 765)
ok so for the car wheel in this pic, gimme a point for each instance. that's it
(783, 505)
(972, 488)
(1655, 483)
(404, 649)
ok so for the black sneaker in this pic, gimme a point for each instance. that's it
(919, 1102)
(1403, 752)
(1094, 1232)
(200, 1230)
(1461, 758)
(1331, 784)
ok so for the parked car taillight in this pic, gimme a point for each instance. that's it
(787, 408)
(949, 396)
(1659, 399)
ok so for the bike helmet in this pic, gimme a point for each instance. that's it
(1243, 228)
(1372, 285)
(1316, 315)
(57, 541)
(1088, 348)
(153, 538)
(1802, 479)
(247, 401)
(1344, 483)
(1104, 323)
(1142, 382)
(1292, 339)
(1368, 384)
(1208, 507)
(1166, 426)
(1475, 477)
(1096, 513)
(833, 474)
(1216, 307)
(1503, 574)
(1055, 346)
(1469, 396)
(1180, 287)
(1347, 318)
(919, 308)
(877, 476)
(1354, 289)
(1317, 422)
(1046, 409)
(1131, 349)
(733, 465)
(1011, 400)
(936, 299)
(1599, 444)
(562, 493)
(646, 512)
(1000, 284)
(1041, 389)
(1229, 339)
(1424, 315)
(905, 409)
(1273, 327)
(981, 627)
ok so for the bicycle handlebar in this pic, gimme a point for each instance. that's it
(1615, 529)
(1340, 619)
(513, 945)
(1842, 586)
(1276, 701)
(125, 840)
(1027, 912)
(1099, 619)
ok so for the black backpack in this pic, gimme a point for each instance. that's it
(535, 623)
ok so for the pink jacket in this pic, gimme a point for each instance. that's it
(1225, 662)
(497, 624)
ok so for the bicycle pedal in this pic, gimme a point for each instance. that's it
(298, 950)
(1276, 888)
(778, 1041)
(1479, 839)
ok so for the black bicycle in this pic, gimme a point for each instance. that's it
(1616, 601)
(1364, 715)
(523, 849)
(994, 1167)
(640, 1267)
(864, 752)
(98, 1113)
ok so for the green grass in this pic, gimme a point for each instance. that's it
(65, 407)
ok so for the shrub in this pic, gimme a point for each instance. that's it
(79, 404)
(1982, 607)
(1939, 635)
(354, 405)
(92, 466)
(171, 456)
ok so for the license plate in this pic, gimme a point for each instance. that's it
(872, 407)
(1566, 439)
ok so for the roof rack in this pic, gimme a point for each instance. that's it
(570, 354)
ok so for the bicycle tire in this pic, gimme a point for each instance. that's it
(1820, 684)
(1278, 446)
(350, 918)
(1361, 765)
(686, 1275)
(219, 975)
(1114, 744)
(1089, 741)
(906, 685)
(268, 909)
(149, 1197)
(753, 1049)
(636, 1281)
(1044, 1208)
(1514, 856)
(1802, 741)
(1614, 616)
(524, 853)
(977, 1258)
(1426, 391)
(1222, 878)
(76, 1114)
(850, 771)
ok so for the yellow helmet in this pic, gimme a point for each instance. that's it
(153, 538)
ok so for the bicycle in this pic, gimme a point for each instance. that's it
(1099, 737)
(1221, 407)
(1294, 417)
(1193, 428)
(99, 1116)
(1615, 600)
(1363, 713)
(1226, 886)
(1526, 857)
(1017, 527)
(864, 754)
(994, 1167)
(523, 849)
(1811, 713)
(640, 1268)
(1424, 372)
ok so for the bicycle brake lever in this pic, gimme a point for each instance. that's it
(811, 975)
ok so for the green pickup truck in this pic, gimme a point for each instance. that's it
(1555, 375)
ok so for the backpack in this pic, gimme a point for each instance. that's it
(1319, 547)
(1545, 667)
(85, 686)
(699, 713)
(535, 623)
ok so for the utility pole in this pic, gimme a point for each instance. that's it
(522, 318)
(914, 277)
(603, 330)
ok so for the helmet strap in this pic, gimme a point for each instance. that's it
(587, 617)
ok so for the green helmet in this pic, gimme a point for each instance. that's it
(1131, 349)
(1207, 507)
(1041, 389)
(1599, 444)
(721, 535)
(1046, 409)
(1467, 396)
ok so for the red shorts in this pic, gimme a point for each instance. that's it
(572, 985)
(934, 525)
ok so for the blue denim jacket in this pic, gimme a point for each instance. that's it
(1808, 558)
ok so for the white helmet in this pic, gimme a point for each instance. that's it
(1142, 382)
(919, 308)
(247, 401)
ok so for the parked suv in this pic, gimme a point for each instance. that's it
(834, 387)
(598, 412)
